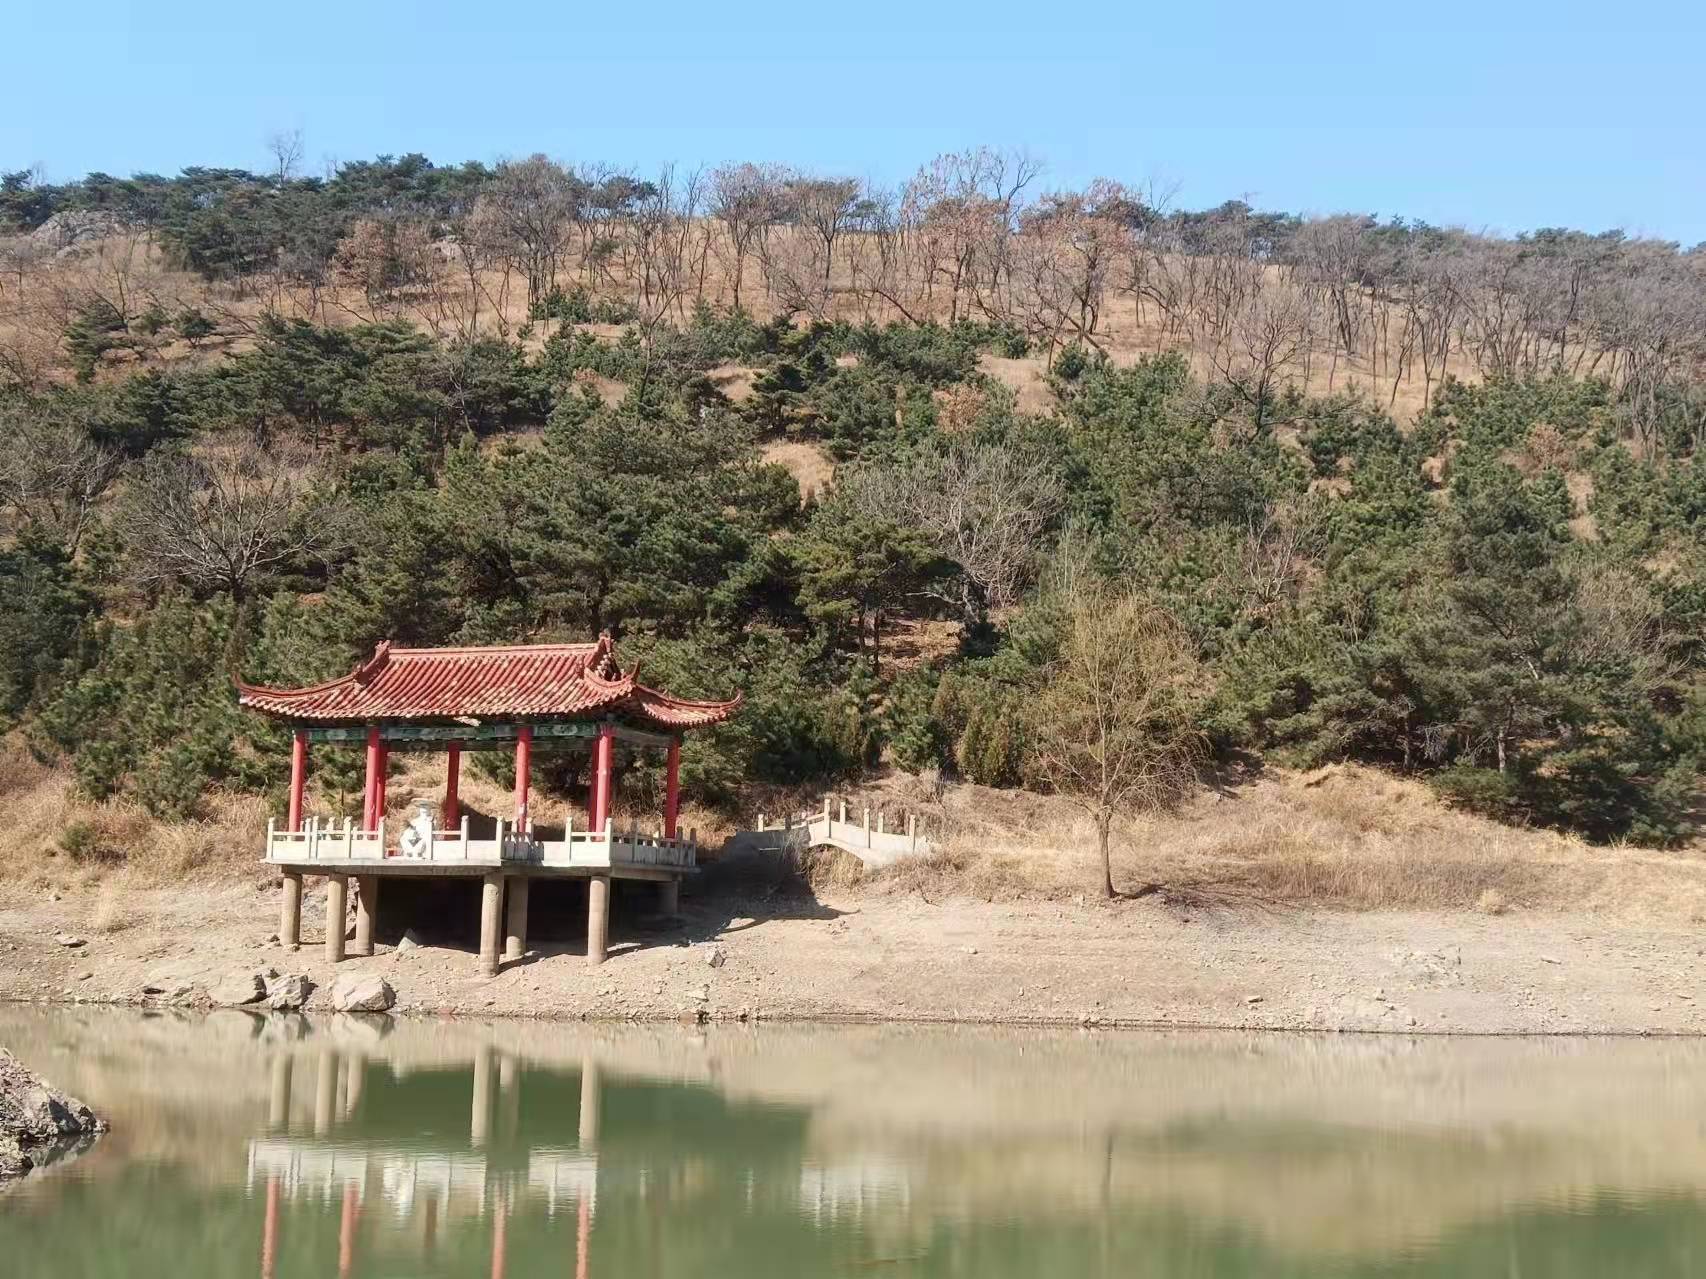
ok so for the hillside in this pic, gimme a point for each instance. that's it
(150, 269)
(905, 496)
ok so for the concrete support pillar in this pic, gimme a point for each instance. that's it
(515, 917)
(669, 897)
(672, 788)
(337, 902)
(591, 1098)
(290, 910)
(453, 784)
(298, 778)
(366, 913)
(603, 766)
(370, 796)
(597, 917)
(326, 1092)
(491, 902)
(278, 1103)
(523, 767)
(355, 1079)
(480, 1122)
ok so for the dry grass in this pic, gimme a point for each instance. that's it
(1025, 376)
(607, 389)
(810, 466)
(734, 381)
(57, 838)
(1349, 838)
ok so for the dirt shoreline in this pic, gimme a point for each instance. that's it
(873, 956)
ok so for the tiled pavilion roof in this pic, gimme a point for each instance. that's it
(519, 682)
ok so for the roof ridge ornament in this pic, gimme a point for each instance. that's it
(373, 665)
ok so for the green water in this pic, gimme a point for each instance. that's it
(283, 1147)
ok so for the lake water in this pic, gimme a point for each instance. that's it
(346, 1147)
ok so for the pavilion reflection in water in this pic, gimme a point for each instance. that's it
(427, 1151)
(414, 1176)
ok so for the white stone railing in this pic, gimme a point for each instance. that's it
(321, 1168)
(335, 842)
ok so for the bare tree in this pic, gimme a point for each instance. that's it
(747, 200)
(286, 148)
(1268, 332)
(52, 475)
(1063, 258)
(984, 508)
(826, 206)
(1114, 726)
(225, 517)
(527, 215)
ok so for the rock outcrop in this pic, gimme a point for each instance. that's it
(37, 1123)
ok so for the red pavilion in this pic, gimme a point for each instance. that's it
(518, 697)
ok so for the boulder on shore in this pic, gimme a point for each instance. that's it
(35, 1121)
(362, 993)
(239, 989)
(289, 993)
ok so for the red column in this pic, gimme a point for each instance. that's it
(499, 1250)
(269, 1231)
(346, 1233)
(523, 765)
(452, 777)
(603, 757)
(379, 783)
(374, 765)
(672, 789)
(298, 777)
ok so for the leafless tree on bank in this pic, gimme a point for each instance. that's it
(1114, 726)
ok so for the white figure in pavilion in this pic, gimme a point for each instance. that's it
(417, 835)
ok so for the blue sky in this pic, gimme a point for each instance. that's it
(1495, 115)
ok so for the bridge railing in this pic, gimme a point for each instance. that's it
(873, 843)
